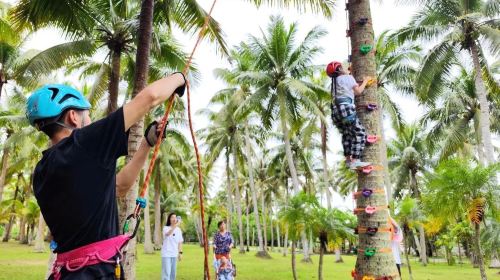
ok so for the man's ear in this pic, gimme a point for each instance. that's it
(72, 118)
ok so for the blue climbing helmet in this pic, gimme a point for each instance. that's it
(50, 101)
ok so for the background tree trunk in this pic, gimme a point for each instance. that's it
(406, 254)
(326, 185)
(285, 243)
(114, 80)
(148, 244)
(5, 166)
(158, 227)
(423, 250)
(385, 161)
(247, 220)
(39, 241)
(127, 203)
(264, 221)
(238, 201)
(288, 148)
(294, 269)
(229, 194)
(8, 228)
(248, 147)
(322, 249)
(483, 103)
(479, 254)
(381, 264)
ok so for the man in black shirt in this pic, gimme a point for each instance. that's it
(75, 182)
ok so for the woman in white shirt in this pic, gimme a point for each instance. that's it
(171, 250)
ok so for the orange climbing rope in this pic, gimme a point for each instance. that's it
(163, 123)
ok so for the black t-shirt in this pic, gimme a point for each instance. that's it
(75, 183)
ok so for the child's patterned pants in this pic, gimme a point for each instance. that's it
(353, 133)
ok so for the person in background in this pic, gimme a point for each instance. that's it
(223, 241)
(397, 237)
(171, 250)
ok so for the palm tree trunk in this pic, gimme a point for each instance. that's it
(148, 244)
(8, 228)
(406, 254)
(271, 228)
(479, 254)
(2, 82)
(247, 220)
(238, 200)
(385, 161)
(261, 251)
(278, 236)
(229, 194)
(294, 269)
(305, 247)
(157, 230)
(5, 166)
(483, 103)
(285, 243)
(381, 264)
(421, 239)
(114, 80)
(39, 240)
(288, 148)
(127, 203)
(423, 249)
(325, 166)
(322, 249)
(264, 221)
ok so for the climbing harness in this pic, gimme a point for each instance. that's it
(141, 200)
(94, 253)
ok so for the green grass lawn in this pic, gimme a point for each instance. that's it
(19, 262)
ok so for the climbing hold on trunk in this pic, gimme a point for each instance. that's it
(365, 49)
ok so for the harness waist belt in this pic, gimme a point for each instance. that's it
(343, 100)
(94, 253)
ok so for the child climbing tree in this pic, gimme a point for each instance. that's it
(375, 259)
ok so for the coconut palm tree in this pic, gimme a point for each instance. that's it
(409, 157)
(329, 224)
(297, 214)
(280, 66)
(469, 27)
(460, 188)
(241, 61)
(454, 121)
(410, 216)
(364, 65)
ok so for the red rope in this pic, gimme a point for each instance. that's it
(163, 123)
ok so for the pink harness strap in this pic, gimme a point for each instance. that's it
(94, 253)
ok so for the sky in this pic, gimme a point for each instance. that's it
(238, 19)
